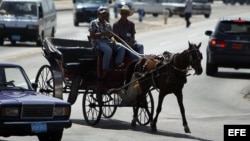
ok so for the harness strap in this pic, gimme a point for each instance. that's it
(153, 81)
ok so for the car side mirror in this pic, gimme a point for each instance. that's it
(110, 1)
(34, 86)
(208, 32)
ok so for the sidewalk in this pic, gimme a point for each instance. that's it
(63, 5)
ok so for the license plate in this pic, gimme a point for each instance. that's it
(237, 46)
(38, 127)
(15, 37)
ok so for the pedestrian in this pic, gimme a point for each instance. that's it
(116, 10)
(125, 29)
(103, 40)
(188, 12)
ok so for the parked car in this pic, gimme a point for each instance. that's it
(23, 111)
(228, 45)
(86, 10)
(202, 7)
(233, 2)
(174, 7)
(27, 20)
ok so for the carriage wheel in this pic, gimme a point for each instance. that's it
(110, 102)
(45, 81)
(144, 113)
(91, 105)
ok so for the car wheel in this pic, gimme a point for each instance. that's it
(170, 14)
(1, 41)
(76, 22)
(247, 2)
(211, 69)
(40, 40)
(155, 15)
(232, 2)
(52, 33)
(53, 136)
(13, 42)
(206, 15)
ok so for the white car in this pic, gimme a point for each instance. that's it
(174, 7)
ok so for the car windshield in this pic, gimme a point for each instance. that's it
(91, 1)
(12, 78)
(234, 27)
(19, 8)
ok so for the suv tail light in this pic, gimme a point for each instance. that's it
(218, 43)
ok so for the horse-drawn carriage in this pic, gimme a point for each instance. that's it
(75, 68)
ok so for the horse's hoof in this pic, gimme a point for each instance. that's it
(133, 124)
(153, 127)
(187, 130)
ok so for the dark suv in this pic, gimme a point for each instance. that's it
(228, 45)
(86, 10)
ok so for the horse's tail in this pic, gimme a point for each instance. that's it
(129, 71)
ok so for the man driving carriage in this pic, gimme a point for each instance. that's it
(103, 40)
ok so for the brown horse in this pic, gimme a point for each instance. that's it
(167, 74)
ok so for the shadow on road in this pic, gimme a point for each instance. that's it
(121, 125)
(233, 75)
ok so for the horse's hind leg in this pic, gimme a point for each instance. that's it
(135, 110)
(182, 109)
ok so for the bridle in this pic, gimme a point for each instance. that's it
(194, 56)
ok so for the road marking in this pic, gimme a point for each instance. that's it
(164, 43)
(192, 35)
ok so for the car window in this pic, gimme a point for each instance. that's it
(234, 27)
(19, 8)
(12, 77)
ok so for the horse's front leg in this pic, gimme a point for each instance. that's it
(158, 110)
(182, 109)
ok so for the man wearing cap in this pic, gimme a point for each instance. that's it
(103, 40)
(125, 29)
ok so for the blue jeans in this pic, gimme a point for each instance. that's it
(139, 47)
(107, 49)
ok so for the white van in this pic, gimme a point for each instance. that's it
(27, 20)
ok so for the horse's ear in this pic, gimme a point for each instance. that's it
(189, 45)
(199, 45)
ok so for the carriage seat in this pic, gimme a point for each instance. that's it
(72, 57)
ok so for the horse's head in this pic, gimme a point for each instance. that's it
(195, 57)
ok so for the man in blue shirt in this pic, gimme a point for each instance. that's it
(103, 40)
